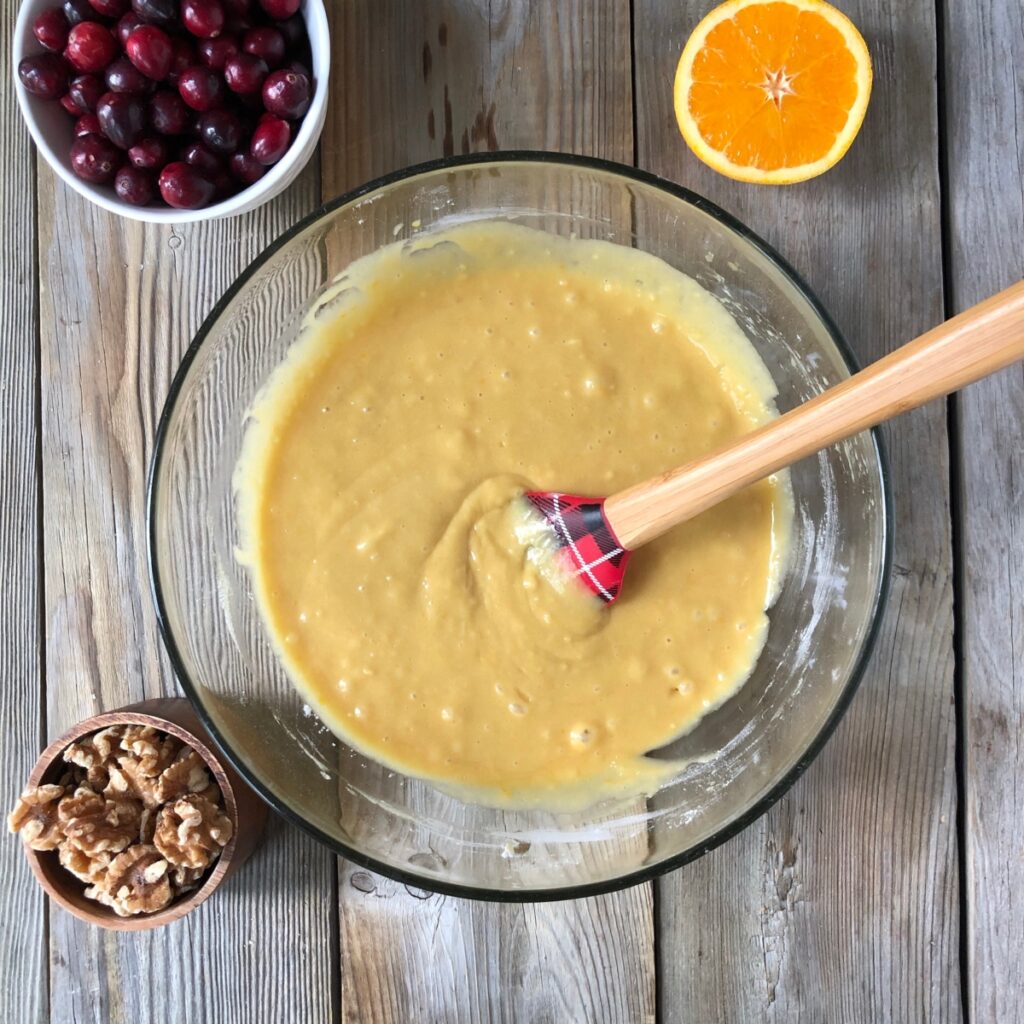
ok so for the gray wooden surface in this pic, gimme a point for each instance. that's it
(886, 886)
(985, 175)
(23, 951)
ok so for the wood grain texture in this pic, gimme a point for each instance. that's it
(984, 91)
(420, 81)
(120, 302)
(23, 995)
(841, 903)
(416, 82)
(414, 956)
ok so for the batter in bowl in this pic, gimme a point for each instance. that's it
(440, 379)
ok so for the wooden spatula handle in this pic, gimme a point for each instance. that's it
(979, 341)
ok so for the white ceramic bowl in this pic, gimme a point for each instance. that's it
(51, 129)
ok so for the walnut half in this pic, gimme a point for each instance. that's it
(154, 751)
(96, 749)
(35, 817)
(137, 882)
(192, 831)
(96, 825)
(126, 781)
(187, 774)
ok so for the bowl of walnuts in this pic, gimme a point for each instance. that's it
(130, 819)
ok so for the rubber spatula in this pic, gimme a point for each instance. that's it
(595, 536)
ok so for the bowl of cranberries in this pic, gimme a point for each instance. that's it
(174, 110)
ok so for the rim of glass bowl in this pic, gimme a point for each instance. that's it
(559, 892)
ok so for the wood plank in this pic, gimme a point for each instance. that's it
(444, 77)
(841, 903)
(414, 84)
(411, 955)
(23, 997)
(984, 125)
(120, 303)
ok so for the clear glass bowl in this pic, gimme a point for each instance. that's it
(741, 758)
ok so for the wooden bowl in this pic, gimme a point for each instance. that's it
(246, 810)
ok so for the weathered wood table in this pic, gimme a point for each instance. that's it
(887, 885)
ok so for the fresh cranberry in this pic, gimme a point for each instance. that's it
(134, 186)
(149, 49)
(86, 91)
(203, 18)
(220, 130)
(90, 47)
(214, 53)
(200, 88)
(69, 105)
(157, 12)
(126, 26)
(294, 31)
(299, 68)
(167, 113)
(286, 94)
(51, 29)
(246, 168)
(280, 9)
(148, 154)
(122, 118)
(267, 44)
(110, 8)
(77, 11)
(270, 140)
(245, 73)
(94, 158)
(45, 75)
(184, 187)
(123, 76)
(184, 57)
(87, 124)
(196, 155)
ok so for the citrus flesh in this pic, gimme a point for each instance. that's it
(772, 91)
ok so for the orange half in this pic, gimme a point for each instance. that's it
(772, 91)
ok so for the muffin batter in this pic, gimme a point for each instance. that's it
(440, 379)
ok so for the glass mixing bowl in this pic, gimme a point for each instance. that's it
(740, 758)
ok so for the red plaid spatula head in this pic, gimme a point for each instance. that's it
(588, 547)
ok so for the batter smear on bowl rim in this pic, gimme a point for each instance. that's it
(378, 514)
